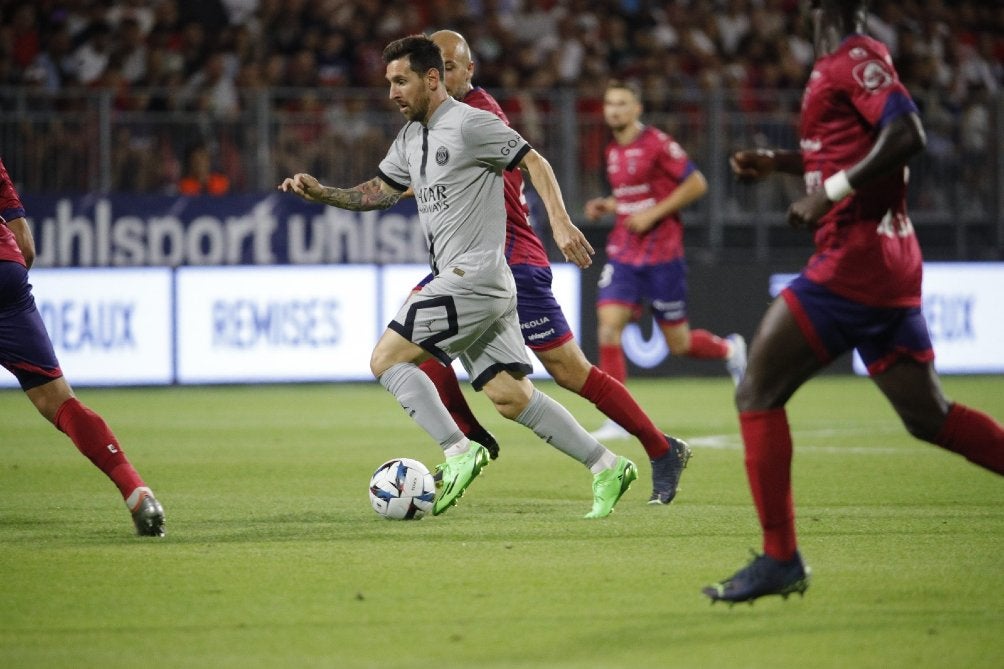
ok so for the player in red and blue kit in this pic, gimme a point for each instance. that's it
(26, 350)
(652, 180)
(543, 324)
(861, 289)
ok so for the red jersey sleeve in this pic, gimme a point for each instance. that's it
(672, 160)
(872, 84)
(522, 246)
(10, 201)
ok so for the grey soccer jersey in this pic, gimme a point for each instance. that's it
(455, 167)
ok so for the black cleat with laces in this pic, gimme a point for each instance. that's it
(761, 577)
(666, 471)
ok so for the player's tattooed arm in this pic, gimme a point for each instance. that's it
(373, 194)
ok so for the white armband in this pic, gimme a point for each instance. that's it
(837, 187)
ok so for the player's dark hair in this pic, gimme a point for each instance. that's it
(622, 84)
(423, 54)
(853, 13)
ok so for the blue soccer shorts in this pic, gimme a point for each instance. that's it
(834, 325)
(663, 286)
(25, 347)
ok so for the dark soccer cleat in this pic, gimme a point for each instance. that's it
(666, 471)
(761, 577)
(485, 438)
(148, 515)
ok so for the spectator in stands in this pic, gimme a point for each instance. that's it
(198, 177)
(694, 48)
(91, 57)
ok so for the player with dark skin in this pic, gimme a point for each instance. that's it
(807, 326)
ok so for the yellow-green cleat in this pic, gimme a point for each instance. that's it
(609, 485)
(456, 474)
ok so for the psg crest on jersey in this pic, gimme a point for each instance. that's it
(442, 155)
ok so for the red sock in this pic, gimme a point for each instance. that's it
(612, 361)
(92, 437)
(707, 346)
(448, 386)
(767, 439)
(613, 399)
(974, 435)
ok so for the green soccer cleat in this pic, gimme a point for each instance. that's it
(456, 474)
(609, 485)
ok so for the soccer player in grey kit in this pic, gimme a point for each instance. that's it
(453, 157)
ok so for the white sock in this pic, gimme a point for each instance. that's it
(137, 495)
(457, 448)
(607, 461)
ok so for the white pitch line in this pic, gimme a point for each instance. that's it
(732, 442)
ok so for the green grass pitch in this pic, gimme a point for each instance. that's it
(274, 557)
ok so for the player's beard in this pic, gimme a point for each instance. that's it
(417, 109)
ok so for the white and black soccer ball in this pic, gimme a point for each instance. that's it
(402, 489)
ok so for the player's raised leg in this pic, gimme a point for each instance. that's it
(915, 392)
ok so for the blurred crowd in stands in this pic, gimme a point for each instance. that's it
(214, 56)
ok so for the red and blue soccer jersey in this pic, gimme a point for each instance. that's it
(10, 209)
(641, 174)
(522, 246)
(866, 249)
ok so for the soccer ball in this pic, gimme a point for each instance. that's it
(402, 489)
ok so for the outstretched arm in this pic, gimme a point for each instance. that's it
(897, 142)
(373, 194)
(573, 244)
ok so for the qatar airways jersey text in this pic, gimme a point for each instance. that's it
(641, 174)
(522, 246)
(866, 249)
(10, 209)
